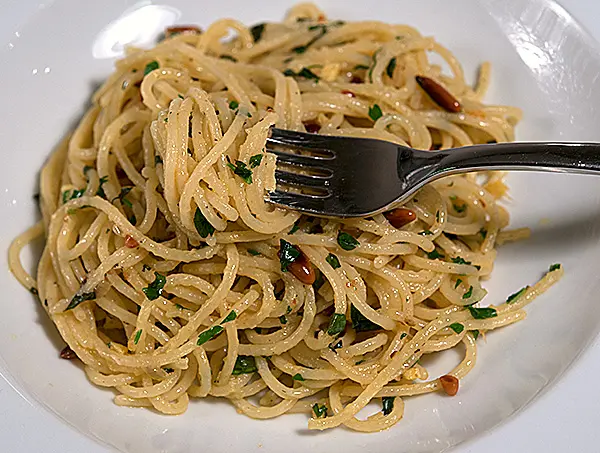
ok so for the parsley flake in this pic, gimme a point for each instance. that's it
(138, 334)
(241, 170)
(387, 403)
(434, 255)
(515, 296)
(255, 160)
(337, 324)
(346, 241)
(375, 112)
(457, 327)
(320, 411)
(391, 67)
(155, 289)
(554, 267)
(360, 323)
(150, 67)
(287, 254)
(244, 365)
(333, 261)
(203, 226)
(209, 334)
(483, 313)
(78, 298)
(230, 317)
(469, 293)
(297, 377)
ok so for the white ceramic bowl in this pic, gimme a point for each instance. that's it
(542, 62)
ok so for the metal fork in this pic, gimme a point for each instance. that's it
(357, 177)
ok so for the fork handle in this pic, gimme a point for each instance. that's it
(555, 157)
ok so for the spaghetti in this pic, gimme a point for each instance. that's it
(169, 274)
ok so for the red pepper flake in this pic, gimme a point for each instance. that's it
(130, 242)
(68, 354)
(439, 94)
(321, 18)
(348, 93)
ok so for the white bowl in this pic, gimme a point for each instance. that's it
(542, 62)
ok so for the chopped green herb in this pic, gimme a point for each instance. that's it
(458, 282)
(244, 364)
(287, 254)
(320, 411)
(209, 334)
(554, 267)
(359, 362)
(253, 252)
(460, 260)
(322, 30)
(333, 261)
(319, 281)
(77, 193)
(515, 296)
(370, 73)
(203, 226)
(359, 67)
(78, 298)
(230, 317)
(482, 313)
(426, 232)
(145, 267)
(297, 377)
(228, 57)
(375, 112)
(459, 207)
(241, 170)
(404, 335)
(346, 241)
(391, 67)
(288, 310)
(257, 31)
(138, 334)
(155, 289)
(469, 293)
(283, 319)
(295, 227)
(475, 334)
(169, 370)
(233, 105)
(150, 67)
(434, 255)
(483, 233)
(360, 323)
(457, 327)
(337, 324)
(387, 403)
(437, 216)
(255, 160)
(100, 191)
(157, 160)
(304, 72)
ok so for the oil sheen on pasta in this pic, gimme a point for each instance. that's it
(162, 267)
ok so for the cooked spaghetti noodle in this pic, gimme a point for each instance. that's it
(169, 274)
